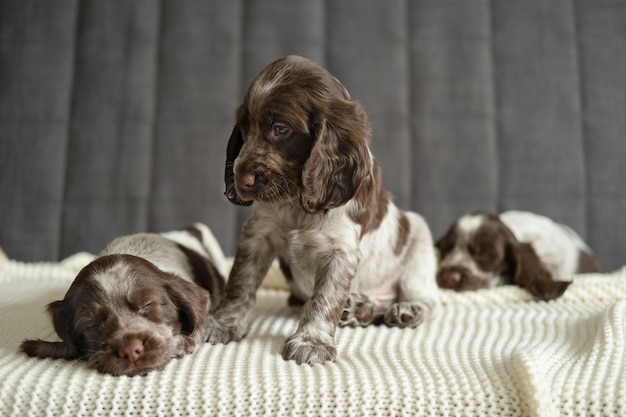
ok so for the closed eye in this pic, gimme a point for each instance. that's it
(482, 254)
(146, 308)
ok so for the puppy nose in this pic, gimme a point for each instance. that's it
(133, 350)
(247, 180)
(454, 276)
(450, 279)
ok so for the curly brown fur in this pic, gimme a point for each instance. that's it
(140, 303)
(299, 154)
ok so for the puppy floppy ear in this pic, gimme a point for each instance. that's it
(530, 273)
(62, 319)
(192, 303)
(339, 161)
(232, 151)
(446, 243)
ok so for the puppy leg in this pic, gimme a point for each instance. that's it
(335, 263)
(418, 293)
(254, 255)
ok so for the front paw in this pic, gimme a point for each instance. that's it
(358, 311)
(404, 314)
(223, 331)
(308, 350)
(186, 345)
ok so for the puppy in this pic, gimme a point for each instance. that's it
(299, 154)
(482, 250)
(140, 303)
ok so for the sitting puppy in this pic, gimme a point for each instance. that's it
(299, 151)
(141, 302)
(482, 250)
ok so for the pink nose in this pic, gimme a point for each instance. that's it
(133, 350)
(247, 180)
(450, 279)
(453, 277)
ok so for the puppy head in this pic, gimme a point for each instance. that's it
(480, 251)
(298, 138)
(124, 316)
(473, 253)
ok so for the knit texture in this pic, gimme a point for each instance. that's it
(489, 353)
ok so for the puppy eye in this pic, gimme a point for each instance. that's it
(280, 130)
(146, 308)
(444, 246)
(476, 252)
(483, 255)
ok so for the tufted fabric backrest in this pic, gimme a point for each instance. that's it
(114, 115)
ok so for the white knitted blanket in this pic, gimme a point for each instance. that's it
(490, 353)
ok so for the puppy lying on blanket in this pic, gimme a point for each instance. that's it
(482, 250)
(140, 303)
(299, 154)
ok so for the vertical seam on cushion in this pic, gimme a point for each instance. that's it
(240, 213)
(412, 195)
(325, 33)
(581, 112)
(68, 134)
(242, 52)
(414, 202)
(149, 214)
(495, 109)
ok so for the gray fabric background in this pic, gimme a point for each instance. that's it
(114, 115)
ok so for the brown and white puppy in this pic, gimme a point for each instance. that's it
(299, 154)
(482, 250)
(140, 303)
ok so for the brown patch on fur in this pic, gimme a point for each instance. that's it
(587, 263)
(530, 273)
(404, 229)
(195, 232)
(205, 273)
(339, 163)
(445, 244)
(371, 202)
(490, 244)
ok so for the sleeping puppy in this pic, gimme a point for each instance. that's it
(140, 303)
(482, 250)
(299, 154)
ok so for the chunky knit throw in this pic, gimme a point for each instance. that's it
(489, 353)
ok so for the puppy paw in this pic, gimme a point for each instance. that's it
(186, 345)
(222, 331)
(308, 350)
(358, 311)
(404, 314)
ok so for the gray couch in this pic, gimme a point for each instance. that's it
(114, 115)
